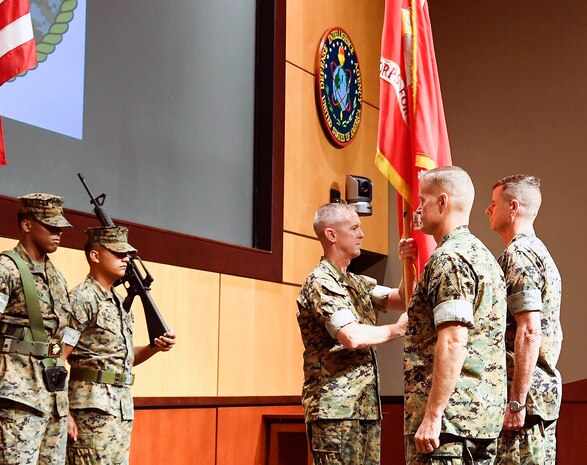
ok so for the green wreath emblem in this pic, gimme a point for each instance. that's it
(47, 44)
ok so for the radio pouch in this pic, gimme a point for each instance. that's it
(55, 378)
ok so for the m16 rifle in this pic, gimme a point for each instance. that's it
(137, 282)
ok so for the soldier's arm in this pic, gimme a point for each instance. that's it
(449, 356)
(162, 344)
(524, 283)
(360, 336)
(387, 299)
(78, 320)
(526, 348)
(5, 284)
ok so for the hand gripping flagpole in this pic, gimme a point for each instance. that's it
(408, 265)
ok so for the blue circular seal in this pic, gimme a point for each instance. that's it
(339, 90)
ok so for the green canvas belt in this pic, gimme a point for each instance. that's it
(104, 377)
(18, 339)
(37, 349)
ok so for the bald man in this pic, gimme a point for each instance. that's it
(454, 353)
(533, 335)
(336, 315)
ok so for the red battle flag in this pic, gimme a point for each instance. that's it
(412, 128)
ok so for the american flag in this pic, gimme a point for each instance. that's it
(17, 46)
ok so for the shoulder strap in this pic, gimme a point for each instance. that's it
(31, 297)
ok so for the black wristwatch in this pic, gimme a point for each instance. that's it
(515, 406)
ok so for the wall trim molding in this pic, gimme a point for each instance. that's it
(244, 401)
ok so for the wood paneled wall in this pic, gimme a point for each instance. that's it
(174, 436)
(312, 164)
(259, 345)
(238, 435)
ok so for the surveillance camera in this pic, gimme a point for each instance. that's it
(359, 193)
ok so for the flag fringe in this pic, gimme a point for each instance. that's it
(398, 183)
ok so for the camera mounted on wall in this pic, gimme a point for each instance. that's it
(359, 194)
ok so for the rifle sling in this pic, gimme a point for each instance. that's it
(32, 304)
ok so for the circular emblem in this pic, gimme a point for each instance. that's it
(50, 19)
(339, 90)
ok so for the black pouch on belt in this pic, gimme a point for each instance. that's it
(55, 378)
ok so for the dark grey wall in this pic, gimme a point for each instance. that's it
(168, 120)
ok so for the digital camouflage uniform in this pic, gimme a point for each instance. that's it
(102, 407)
(533, 283)
(103, 412)
(463, 283)
(340, 394)
(33, 421)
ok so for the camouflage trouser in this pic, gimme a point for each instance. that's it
(533, 444)
(28, 437)
(454, 450)
(102, 439)
(345, 442)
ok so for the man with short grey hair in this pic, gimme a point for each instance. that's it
(534, 335)
(336, 315)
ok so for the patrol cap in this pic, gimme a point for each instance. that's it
(113, 238)
(46, 208)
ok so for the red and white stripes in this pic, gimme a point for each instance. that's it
(17, 44)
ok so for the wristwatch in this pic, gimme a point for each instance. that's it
(515, 406)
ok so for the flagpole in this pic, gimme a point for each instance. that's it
(409, 270)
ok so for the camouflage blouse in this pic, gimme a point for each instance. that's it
(21, 376)
(105, 343)
(534, 283)
(461, 282)
(338, 383)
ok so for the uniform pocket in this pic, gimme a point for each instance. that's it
(326, 437)
(449, 450)
(81, 452)
(107, 319)
(61, 403)
(84, 441)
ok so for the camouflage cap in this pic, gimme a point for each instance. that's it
(46, 208)
(114, 239)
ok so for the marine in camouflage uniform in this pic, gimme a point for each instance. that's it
(340, 394)
(533, 281)
(103, 412)
(101, 404)
(33, 420)
(461, 269)
(533, 286)
(454, 349)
